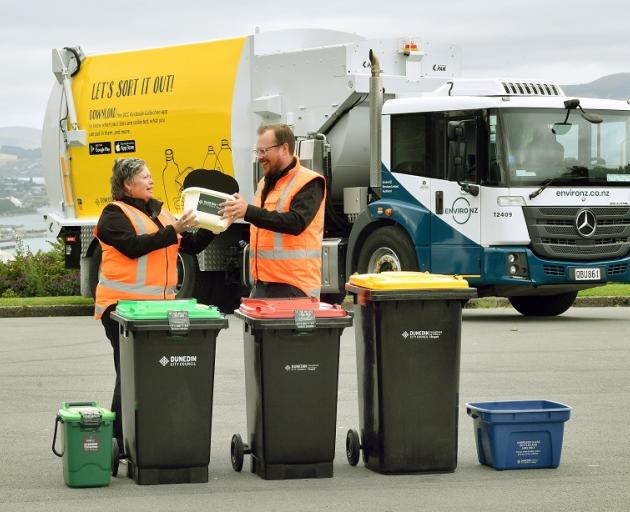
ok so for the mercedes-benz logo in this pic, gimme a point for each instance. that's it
(585, 223)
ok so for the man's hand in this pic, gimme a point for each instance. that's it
(233, 208)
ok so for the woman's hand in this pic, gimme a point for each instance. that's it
(188, 220)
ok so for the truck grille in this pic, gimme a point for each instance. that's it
(618, 269)
(554, 270)
(554, 233)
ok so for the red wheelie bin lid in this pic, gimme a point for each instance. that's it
(286, 308)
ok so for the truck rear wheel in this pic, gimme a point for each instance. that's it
(95, 268)
(543, 305)
(388, 248)
(217, 289)
(332, 298)
(187, 270)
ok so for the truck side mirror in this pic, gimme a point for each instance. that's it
(573, 104)
(456, 160)
(561, 128)
(456, 131)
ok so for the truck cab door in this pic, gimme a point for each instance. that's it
(416, 147)
(456, 199)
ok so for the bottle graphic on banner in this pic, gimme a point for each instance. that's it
(210, 159)
(170, 175)
(225, 148)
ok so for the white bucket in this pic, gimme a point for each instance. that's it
(205, 203)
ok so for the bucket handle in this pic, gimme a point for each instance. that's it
(80, 404)
(54, 450)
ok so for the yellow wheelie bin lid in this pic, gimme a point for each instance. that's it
(407, 280)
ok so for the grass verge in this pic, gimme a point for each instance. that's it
(45, 301)
(609, 290)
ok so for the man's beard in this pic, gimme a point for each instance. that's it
(273, 169)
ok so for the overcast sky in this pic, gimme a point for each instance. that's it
(568, 41)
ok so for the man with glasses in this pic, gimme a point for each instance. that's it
(287, 219)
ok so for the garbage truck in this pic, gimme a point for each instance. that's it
(521, 189)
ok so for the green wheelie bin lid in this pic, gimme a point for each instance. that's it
(158, 309)
(84, 412)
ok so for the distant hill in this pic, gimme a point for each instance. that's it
(21, 137)
(616, 87)
(21, 152)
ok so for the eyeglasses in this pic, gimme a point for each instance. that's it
(263, 151)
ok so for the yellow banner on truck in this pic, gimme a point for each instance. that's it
(169, 106)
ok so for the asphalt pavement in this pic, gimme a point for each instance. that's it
(581, 358)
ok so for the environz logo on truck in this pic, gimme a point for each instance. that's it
(461, 210)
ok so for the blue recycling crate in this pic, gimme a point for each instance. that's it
(519, 434)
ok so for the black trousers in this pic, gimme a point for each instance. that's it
(275, 291)
(112, 332)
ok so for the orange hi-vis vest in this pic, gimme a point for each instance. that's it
(283, 258)
(149, 277)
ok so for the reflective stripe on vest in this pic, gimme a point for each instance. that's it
(139, 282)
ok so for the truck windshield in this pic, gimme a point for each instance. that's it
(578, 154)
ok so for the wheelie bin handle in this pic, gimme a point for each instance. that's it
(91, 416)
(54, 450)
(79, 404)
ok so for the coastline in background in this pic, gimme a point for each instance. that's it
(28, 224)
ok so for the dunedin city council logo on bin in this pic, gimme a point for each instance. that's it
(301, 367)
(189, 360)
(423, 335)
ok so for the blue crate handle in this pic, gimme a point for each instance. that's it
(471, 413)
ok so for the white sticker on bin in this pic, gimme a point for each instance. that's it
(421, 335)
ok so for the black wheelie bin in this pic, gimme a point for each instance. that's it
(291, 352)
(407, 332)
(167, 354)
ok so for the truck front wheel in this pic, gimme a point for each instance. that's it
(388, 248)
(543, 305)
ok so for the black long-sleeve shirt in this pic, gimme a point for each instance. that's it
(115, 229)
(301, 212)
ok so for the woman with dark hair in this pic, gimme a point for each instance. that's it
(140, 241)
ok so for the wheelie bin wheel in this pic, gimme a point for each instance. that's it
(353, 447)
(237, 451)
(115, 456)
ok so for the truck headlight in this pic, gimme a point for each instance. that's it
(516, 265)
